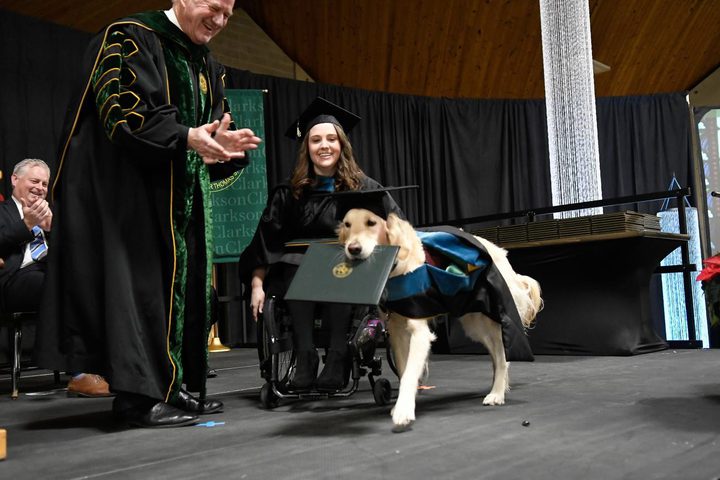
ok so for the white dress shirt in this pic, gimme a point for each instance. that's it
(172, 17)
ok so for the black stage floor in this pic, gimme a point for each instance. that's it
(645, 417)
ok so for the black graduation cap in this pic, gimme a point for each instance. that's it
(321, 111)
(377, 200)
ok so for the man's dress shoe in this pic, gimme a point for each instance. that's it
(88, 385)
(158, 416)
(190, 404)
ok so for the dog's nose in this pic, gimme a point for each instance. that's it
(354, 249)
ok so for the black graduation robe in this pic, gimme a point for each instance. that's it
(128, 290)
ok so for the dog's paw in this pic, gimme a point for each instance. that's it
(494, 399)
(402, 428)
(402, 418)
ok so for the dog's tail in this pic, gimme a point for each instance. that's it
(533, 301)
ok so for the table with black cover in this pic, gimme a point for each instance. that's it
(596, 291)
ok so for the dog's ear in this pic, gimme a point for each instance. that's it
(396, 235)
(341, 232)
(393, 223)
(393, 228)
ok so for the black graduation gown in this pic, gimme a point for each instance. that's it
(127, 291)
(286, 218)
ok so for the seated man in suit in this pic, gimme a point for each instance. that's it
(25, 223)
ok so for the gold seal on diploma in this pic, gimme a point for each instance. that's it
(341, 270)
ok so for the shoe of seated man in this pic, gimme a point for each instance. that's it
(88, 385)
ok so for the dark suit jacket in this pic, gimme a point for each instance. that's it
(14, 236)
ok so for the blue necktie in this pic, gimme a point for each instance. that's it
(38, 247)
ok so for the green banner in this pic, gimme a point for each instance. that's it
(238, 201)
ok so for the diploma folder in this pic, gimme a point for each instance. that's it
(327, 275)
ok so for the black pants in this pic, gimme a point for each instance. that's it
(303, 314)
(22, 291)
(336, 316)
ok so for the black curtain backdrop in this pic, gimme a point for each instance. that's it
(643, 142)
(40, 75)
(480, 157)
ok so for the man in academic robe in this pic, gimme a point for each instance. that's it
(128, 290)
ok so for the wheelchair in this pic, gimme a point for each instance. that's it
(277, 356)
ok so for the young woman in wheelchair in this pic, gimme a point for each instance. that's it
(303, 209)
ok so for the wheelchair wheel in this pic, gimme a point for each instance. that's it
(382, 391)
(275, 350)
(268, 399)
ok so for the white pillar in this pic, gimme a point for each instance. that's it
(570, 100)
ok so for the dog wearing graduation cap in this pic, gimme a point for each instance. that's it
(442, 270)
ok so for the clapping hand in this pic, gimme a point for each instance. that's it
(36, 211)
(216, 144)
(236, 141)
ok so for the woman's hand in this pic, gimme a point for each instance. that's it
(257, 295)
(257, 300)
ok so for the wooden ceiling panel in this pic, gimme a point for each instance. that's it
(654, 46)
(456, 48)
(490, 48)
(85, 15)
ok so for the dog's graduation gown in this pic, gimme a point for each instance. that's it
(458, 278)
(128, 288)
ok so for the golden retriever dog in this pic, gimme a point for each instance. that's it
(410, 338)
